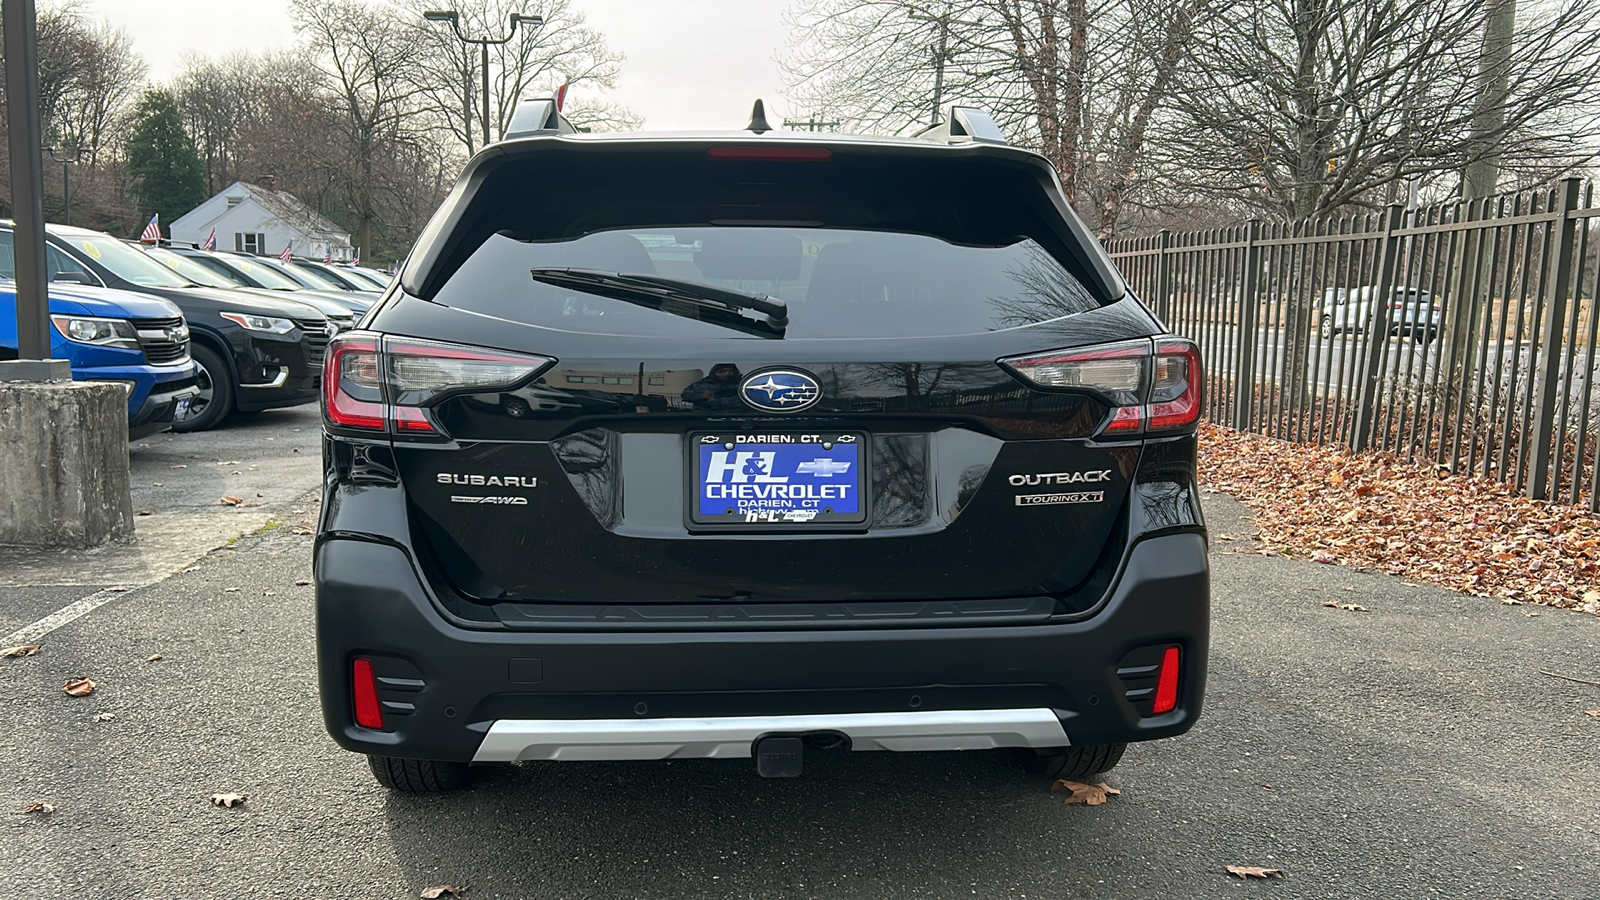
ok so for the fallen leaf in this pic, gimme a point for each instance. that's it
(228, 800)
(154, 657)
(1323, 556)
(259, 494)
(104, 717)
(1510, 601)
(178, 467)
(82, 686)
(142, 512)
(1592, 712)
(231, 501)
(1087, 794)
(1350, 607)
(230, 590)
(301, 529)
(302, 582)
(1248, 872)
(24, 650)
(43, 809)
(442, 890)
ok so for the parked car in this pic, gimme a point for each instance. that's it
(380, 279)
(252, 352)
(138, 341)
(242, 270)
(315, 279)
(340, 275)
(1410, 312)
(815, 543)
(340, 315)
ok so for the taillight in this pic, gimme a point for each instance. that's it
(1167, 684)
(1175, 387)
(352, 390)
(369, 712)
(1152, 386)
(373, 383)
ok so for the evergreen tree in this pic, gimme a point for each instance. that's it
(164, 169)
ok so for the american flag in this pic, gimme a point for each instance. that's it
(287, 251)
(152, 232)
(327, 257)
(211, 241)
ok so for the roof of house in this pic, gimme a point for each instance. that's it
(290, 209)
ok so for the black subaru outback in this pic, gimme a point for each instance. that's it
(751, 443)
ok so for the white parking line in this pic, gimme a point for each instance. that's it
(70, 612)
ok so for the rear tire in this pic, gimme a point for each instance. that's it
(1327, 328)
(419, 776)
(215, 399)
(1070, 762)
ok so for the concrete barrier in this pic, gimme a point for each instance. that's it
(63, 464)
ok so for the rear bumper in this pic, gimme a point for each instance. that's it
(450, 693)
(729, 737)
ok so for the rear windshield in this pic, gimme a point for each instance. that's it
(835, 282)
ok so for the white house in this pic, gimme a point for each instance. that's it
(259, 218)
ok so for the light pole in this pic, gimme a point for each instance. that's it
(66, 156)
(454, 18)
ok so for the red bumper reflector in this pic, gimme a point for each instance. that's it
(1167, 683)
(369, 713)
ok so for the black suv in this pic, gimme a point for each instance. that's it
(742, 444)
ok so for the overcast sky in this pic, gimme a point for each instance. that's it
(691, 64)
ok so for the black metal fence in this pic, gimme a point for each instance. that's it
(1463, 333)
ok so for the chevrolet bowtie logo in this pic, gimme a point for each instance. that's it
(823, 467)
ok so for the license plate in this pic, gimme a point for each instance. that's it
(180, 409)
(778, 480)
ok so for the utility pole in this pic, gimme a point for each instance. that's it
(66, 157)
(454, 18)
(810, 124)
(27, 181)
(942, 55)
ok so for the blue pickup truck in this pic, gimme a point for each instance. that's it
(136, 340)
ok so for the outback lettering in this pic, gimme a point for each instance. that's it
(1062, 478)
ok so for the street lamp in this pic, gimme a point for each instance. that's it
(66, 156)
(454, 18)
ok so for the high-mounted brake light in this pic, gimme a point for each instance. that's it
(389, 384)
(369, 712)
(1167, 683)
(1152, 386)
(735, 151)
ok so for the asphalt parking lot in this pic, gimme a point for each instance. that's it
(1411, 749)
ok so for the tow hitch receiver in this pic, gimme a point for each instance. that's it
(779, 756)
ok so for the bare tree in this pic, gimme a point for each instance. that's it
(1302, 107)
(366, 58)
(1080, 82)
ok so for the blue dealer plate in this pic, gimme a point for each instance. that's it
(778, 480)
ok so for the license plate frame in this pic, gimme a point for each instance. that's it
(775, 505)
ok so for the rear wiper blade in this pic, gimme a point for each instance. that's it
(718, 306)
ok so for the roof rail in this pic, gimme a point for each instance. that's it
(966, 124)
(536, 117)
